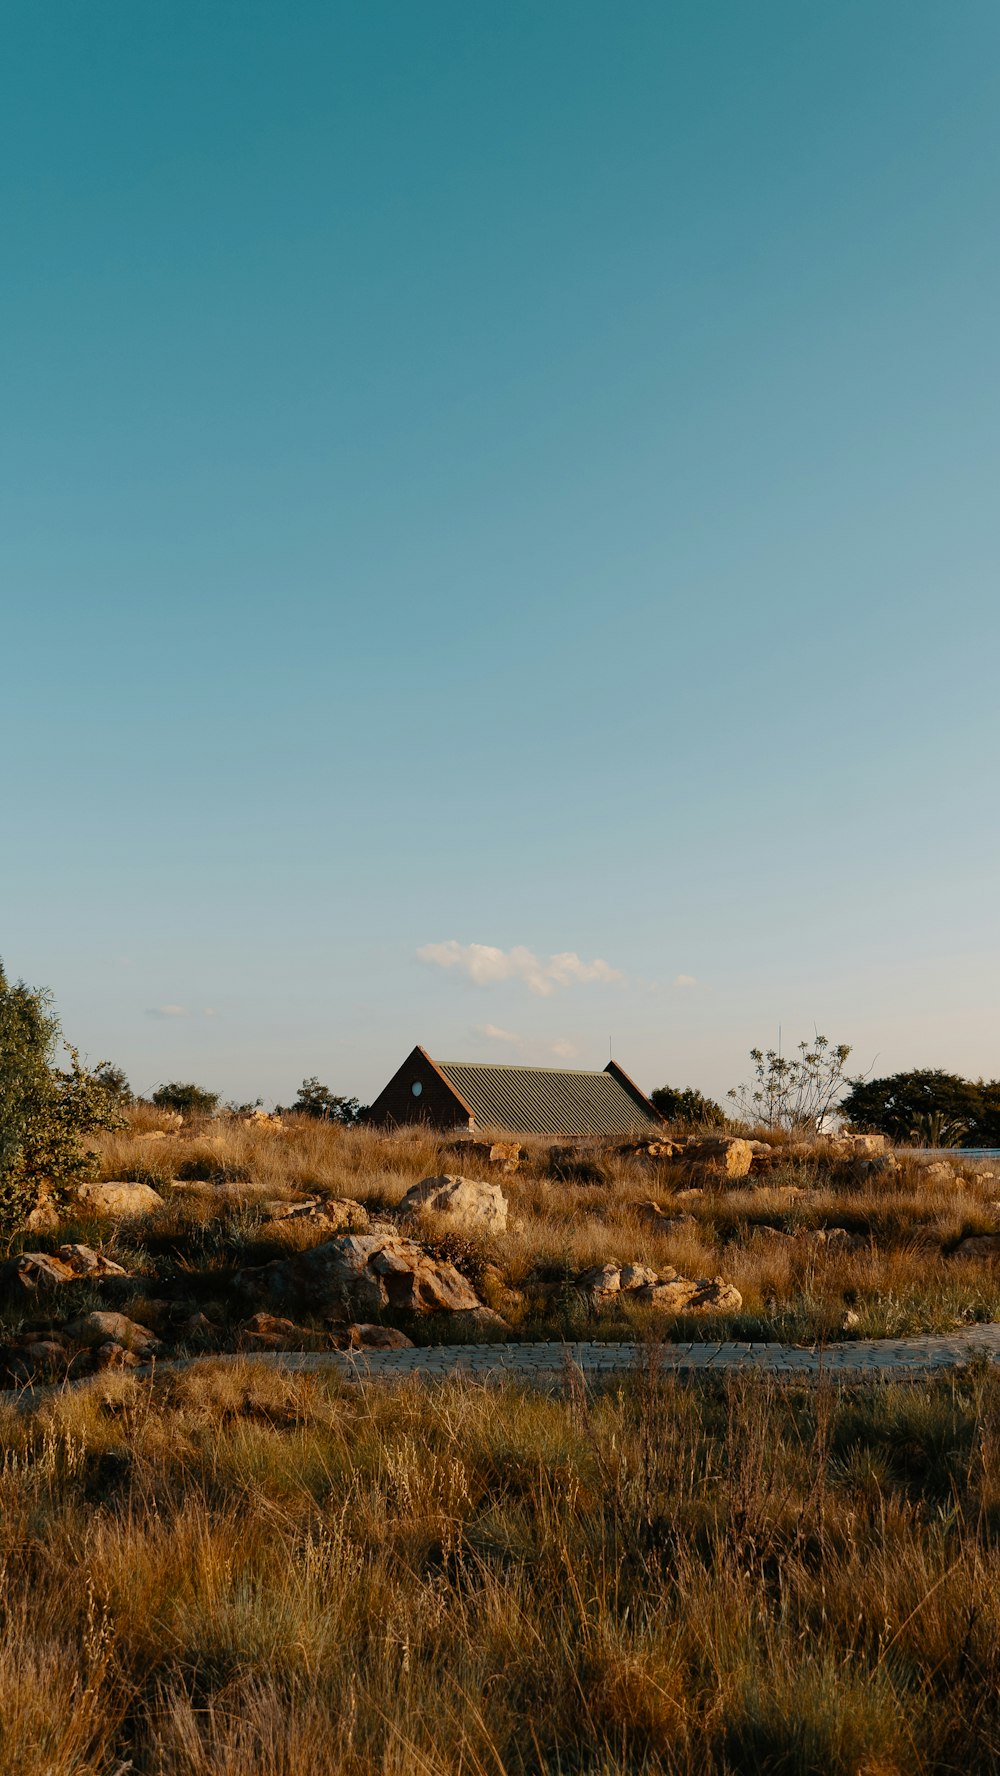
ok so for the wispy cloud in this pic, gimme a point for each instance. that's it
(494, 1034)
(486, 965)
(167, 1011)
(565, 1050)
(685, 980)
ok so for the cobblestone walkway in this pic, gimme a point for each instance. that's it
(891, 1358)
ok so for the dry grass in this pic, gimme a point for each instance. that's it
(902, 1280)
(257, 1575)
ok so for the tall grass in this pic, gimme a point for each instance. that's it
(238, 1572)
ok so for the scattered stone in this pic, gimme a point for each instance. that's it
(264, 1121)
(850, 1320)
(119, 1201)
(850, 1145)
(728, 1155)
(363, 1274)
(95, 1329)
(655, 1149)
(469, 1202)
(113, 1356)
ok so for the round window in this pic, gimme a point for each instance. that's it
(416, 1088)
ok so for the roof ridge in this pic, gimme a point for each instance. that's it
(526, 1067)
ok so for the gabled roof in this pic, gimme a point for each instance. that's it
(551, 1100)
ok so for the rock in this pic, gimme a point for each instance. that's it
(772, 1235)
(197, 1326)
(660, 1220)
(362, 1274)
(601, 1279)
(44, 1217)
(504, 1156)
(119, 1201)
(472, 1322)
(326, 1215)
(636, 1276)
(113, 1356)
(680, 1295)
(834, 1239)
(850, 1320)
(267, 1332)
(852, 1145)
(939, 1172)
(469, 1202)
(978, 1245)
(381, 1338)
(264, 1122)
(728, 1155)
(656, 1149)
(45, 1351)
(99, 1328)
(40, 1270)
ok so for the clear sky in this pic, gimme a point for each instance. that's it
(499, 531)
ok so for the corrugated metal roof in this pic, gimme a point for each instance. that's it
(546, 1100)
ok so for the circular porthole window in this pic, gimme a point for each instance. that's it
(416, 1088)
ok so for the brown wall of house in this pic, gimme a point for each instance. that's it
(437, 1103)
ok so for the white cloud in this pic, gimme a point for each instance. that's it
(210, 1011)
(167, 1011)
(685, 980)
(565, 1050)
(495, 1034)
(485, 965)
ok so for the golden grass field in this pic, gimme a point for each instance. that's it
(229, 1571)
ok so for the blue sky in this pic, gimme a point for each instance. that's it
(486, 485)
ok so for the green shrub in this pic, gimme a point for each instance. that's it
(187, 1100)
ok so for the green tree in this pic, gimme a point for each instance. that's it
(318, 1100)
(115, 1082)
(905, 1106)
(187, 1100)
(688, 1106)
(796, 1091)
(44, 1110)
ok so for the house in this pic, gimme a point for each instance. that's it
(516, 1100)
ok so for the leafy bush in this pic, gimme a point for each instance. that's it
(187, 1100)
(795, 1091)
(688, 1106)
(44, 1110)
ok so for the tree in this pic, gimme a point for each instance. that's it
(318, 1100)
(688, 1106)
(794, 1091)
(927, 1103)
(44, 1110)
(187, 1100)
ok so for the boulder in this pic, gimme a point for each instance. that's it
(978, 1245)
(473, 1205)
(361, 1275)
(728, 1155)
(267, 1332)
(849, 1144)
(44, 1270)
(113, 1356)
(380, 1338)
(635, 1276)
(118, 1201)
(95, 1329)
(503, 1156)
(681, 1295)
(326, 1215)
(601, 1279)
(44, 1217)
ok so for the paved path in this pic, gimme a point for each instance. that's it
(888, 1358)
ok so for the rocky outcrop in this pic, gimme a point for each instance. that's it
(119, 1201)
(473, 1205)
(362, 1275)
(607, 1284)
(324, 1214)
